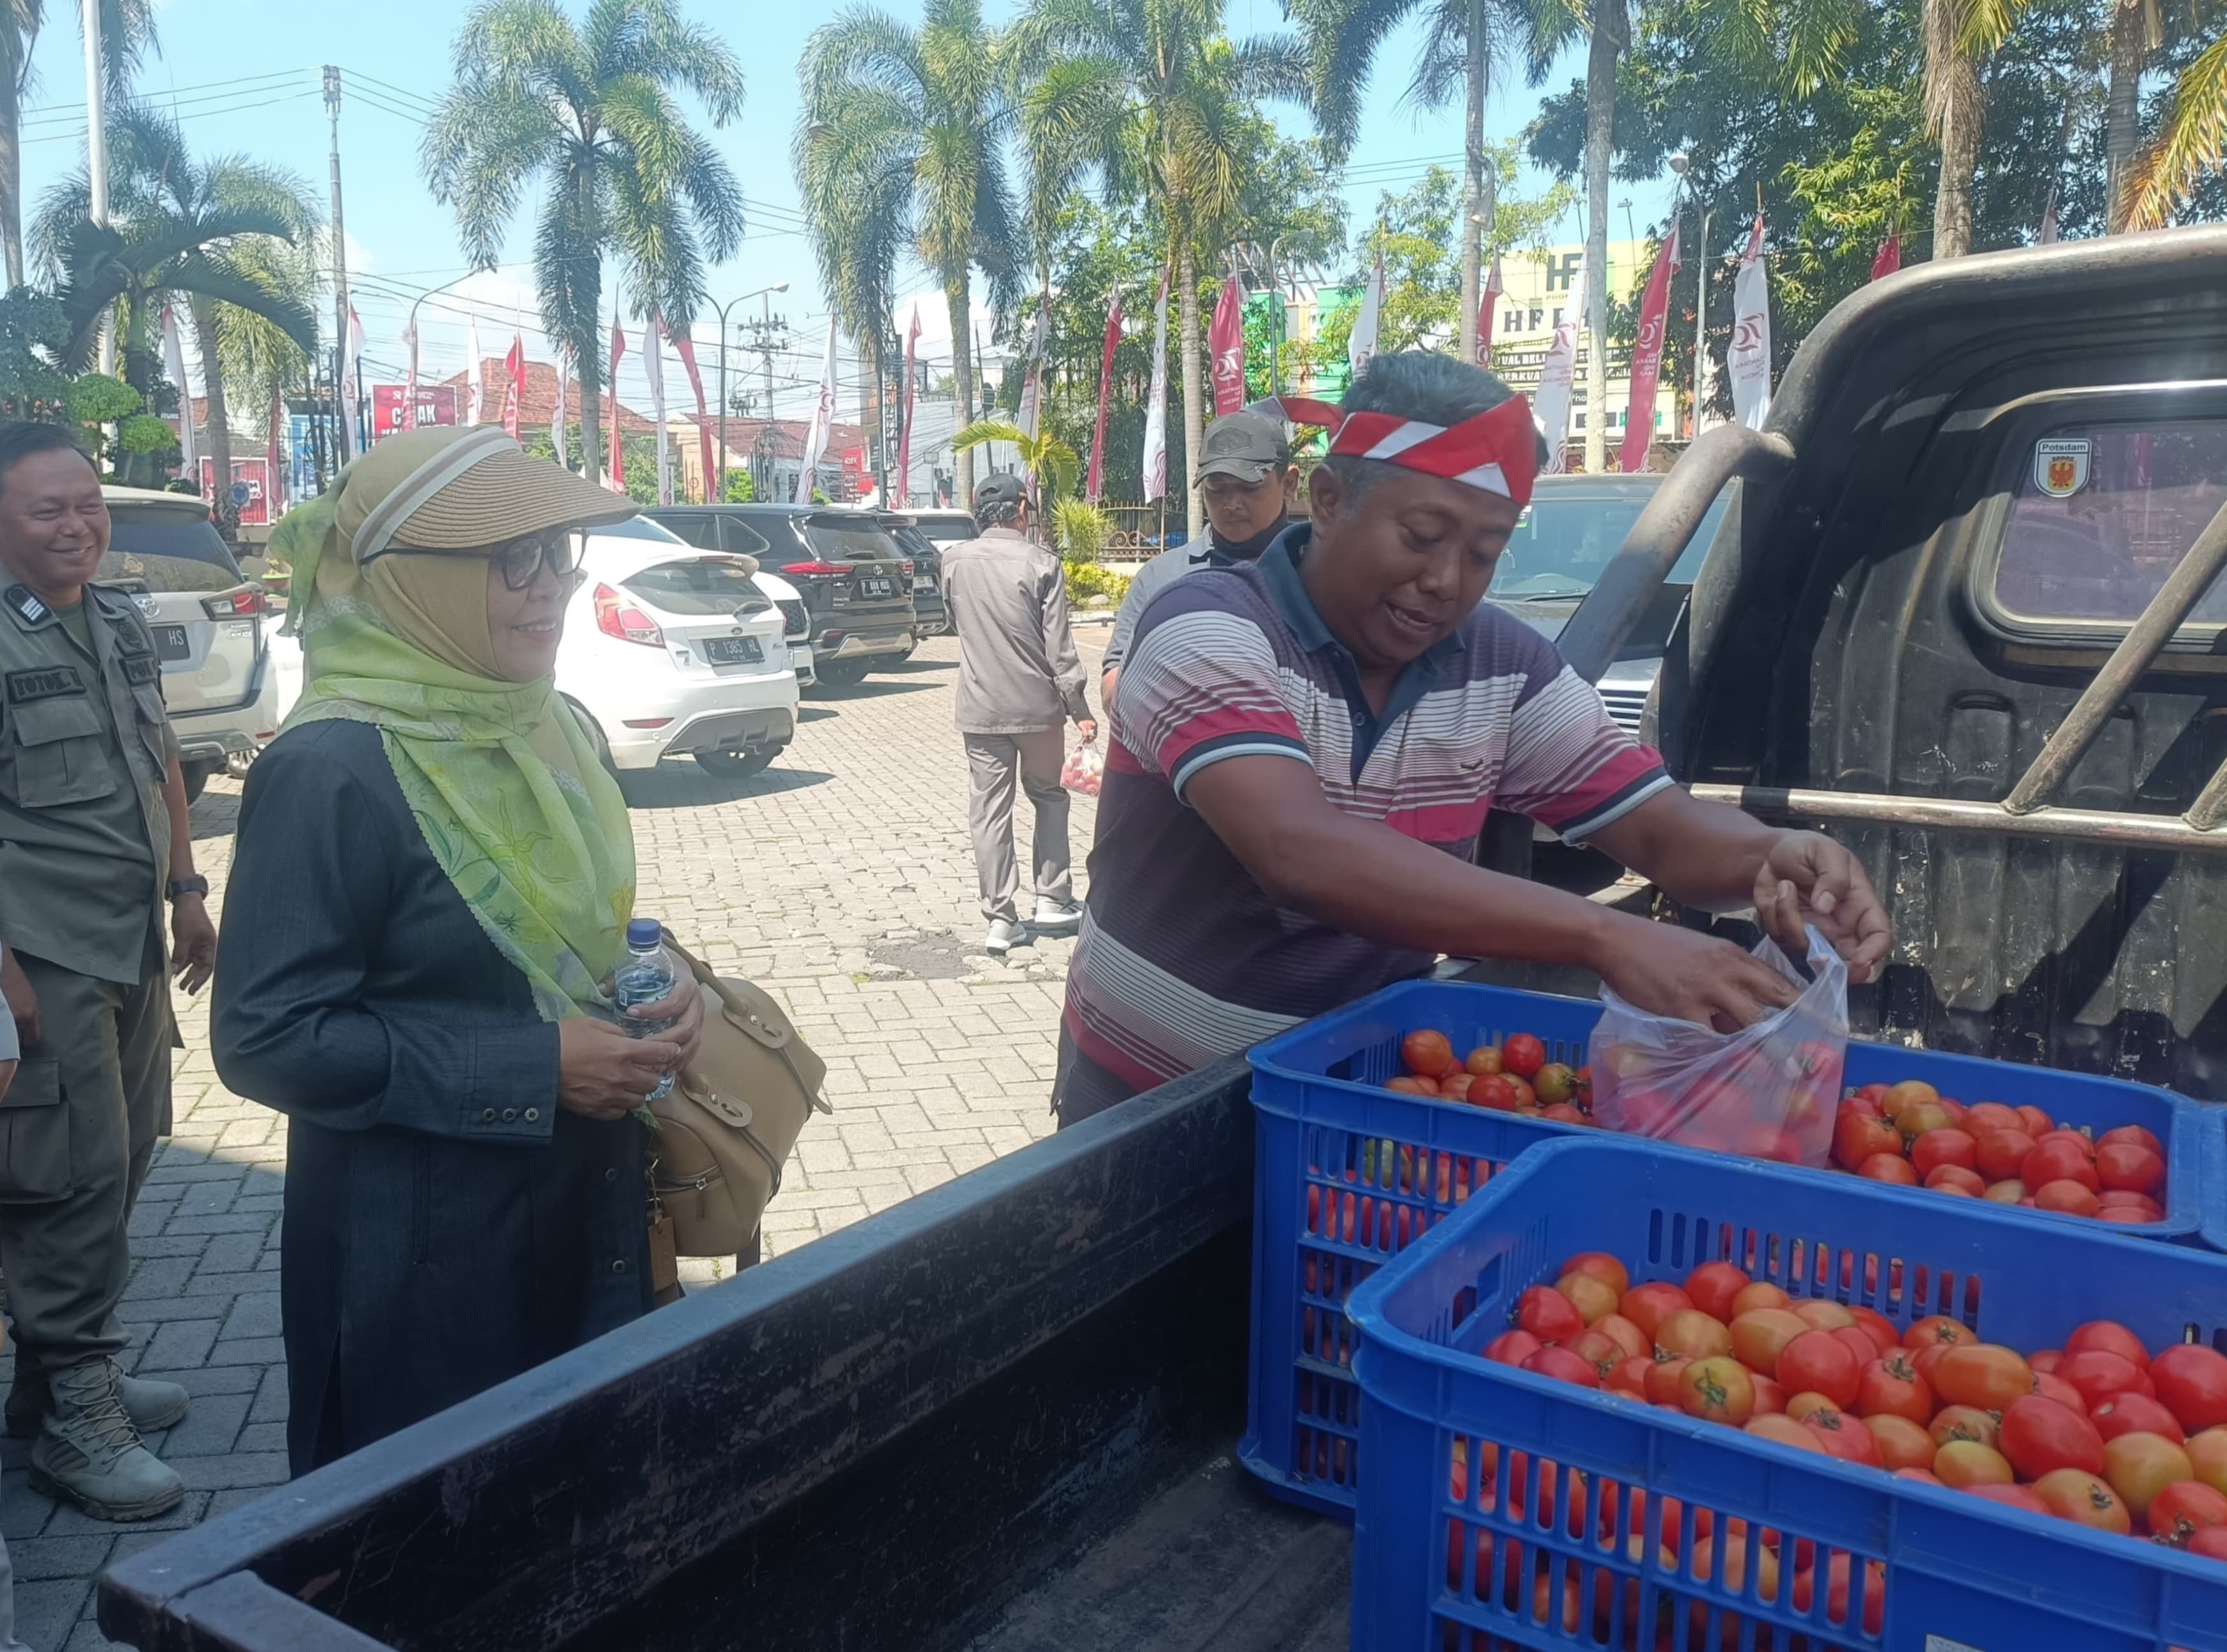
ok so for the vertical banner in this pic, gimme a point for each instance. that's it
(652, 361)
(2048, 236)
(615, 477)
(557, 417)
(1225, 343)
(174, 364)
(1361, 344)
(410, 384)
(1094, 487)
(1890, 254)
(271, 454)
(1647, 359)
(474, 392)
(1551, 409)
(514, 392)
(351, 430)
(904, 431)
(684, 347)
(1156, 402)
(823, 416)
(1488, 301)
(1032, 377)
(1750, 355)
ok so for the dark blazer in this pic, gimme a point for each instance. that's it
(447, 1225)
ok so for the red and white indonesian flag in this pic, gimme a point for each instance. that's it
(1225, 343)
(904, 433)
(2048, 236)
(1361, 343)
(474, 411)
(1749, 357)
(174, 364)
(1094, 487)
(823, 416)
(1647, 359)
(1552, 410)
(514, 390)
(615, 473)
(684, 347)
(1156, 402)
(350, 427)
(1889, 258)
(1488, 301)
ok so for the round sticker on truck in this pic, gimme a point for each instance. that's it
(2060, 468)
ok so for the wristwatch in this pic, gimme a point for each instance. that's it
(194, 885)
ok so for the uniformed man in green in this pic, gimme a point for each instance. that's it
(93, 838)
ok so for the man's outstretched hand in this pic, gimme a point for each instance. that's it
(1808, 879)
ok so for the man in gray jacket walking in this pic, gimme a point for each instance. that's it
(1020, 681)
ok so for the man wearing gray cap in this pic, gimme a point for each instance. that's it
(1020, 681)
(1246, 472)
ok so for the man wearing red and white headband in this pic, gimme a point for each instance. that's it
(1303, 751)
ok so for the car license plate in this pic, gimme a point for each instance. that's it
(923, 583)
(733, 651)
(170, 641)
(877, 588)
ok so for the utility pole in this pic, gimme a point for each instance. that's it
(340, 251)
(96, 169)
(721, 311)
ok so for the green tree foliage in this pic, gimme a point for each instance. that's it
(587, 111)
(742, 489)
(32, 334)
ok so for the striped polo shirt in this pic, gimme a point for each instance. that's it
(1183, 957)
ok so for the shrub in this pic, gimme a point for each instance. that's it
(1090, 585)
(1081, 529)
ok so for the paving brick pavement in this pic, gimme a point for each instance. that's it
(842, 879)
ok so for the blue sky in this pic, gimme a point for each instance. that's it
(244, 77)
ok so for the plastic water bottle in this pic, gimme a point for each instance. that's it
(646, 977)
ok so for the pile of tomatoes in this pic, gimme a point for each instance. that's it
(1911, 1134)
(2100, 1432)
(1511, 1076)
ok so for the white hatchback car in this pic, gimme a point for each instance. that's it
(669, 652)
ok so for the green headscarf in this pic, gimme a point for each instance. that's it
(502, 781)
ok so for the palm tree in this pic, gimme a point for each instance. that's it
(1043, 454)
(1959, 34)
(2192, 142)
(1153, 97)
(152, 174)
(1464, 43)
(899, 147)
(127, 34)
(590, 111)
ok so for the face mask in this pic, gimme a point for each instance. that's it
(1245, 550)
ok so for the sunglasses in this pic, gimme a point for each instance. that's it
(522, 559)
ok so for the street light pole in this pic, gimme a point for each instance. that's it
(340, 255)
(721, 311)
(96, 172)
(410, 331)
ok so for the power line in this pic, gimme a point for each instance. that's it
(46, 109)
(239, 109)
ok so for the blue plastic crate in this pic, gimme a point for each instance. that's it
(2213, 1127)
(1324, 1117)
(1446, 1559)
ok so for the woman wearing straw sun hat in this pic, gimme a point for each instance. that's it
(431, 883)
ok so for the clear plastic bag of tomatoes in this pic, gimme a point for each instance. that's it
(1768, 1091)
(1085, 770)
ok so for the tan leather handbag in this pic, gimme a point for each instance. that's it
(725, 1128)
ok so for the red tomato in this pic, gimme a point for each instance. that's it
(2085, 1148)
(1844, 1437)
(1648, 1306)
(1799, 1406)
(1892, 1387)
(1770, 1395)
(1628, 1336)
(2066, 1197)
(2035, 1122)
(1819, 1314)
(2208, 1451)
(1496, 1093)
(1630, 1377)
(1872, 1093)
(2110, 1335)
(2057, 1161)
(1484, 1060)
(1818, 1361)
(1661, 1382)
(1523, 1055)
(2039, 1435)
(2134, 1133)
(1600, 1348)
(1885, 1337)
(2010, 1192)
(1986, 1374)
(1594, 1298)
(1717, 1390)
(2130, 1167)
(2132, 1215)
(1888, 1167)
(1427, 1053)
(2050, 1386)
(2001, 1152)
(2099, 1374)
(1902, 1443)
(2048, 1360)
(1913, 1122)
(1966, 1463)
(1910, 1093)
(1693, 1334)
(1858, 1342)
(1938, 1147)
(1760, 1335)
(1837, 1594)
(1454, 1087)
(1923, 1477)
(1857, 1137)
(1937, 1328)
(1785, 1431)
(1564, 1366)
(1548, 1315)
(1983, 1116)
(1407, 1085)
(2136, 1413)
(1761, 1294)
(2211, 1542)
(1713, 1285)
(2139, 1466)
(1954, 1178)
(2184, 1508)
(2012, 1498)
(2192, 1380)
(2082, 1498)
(1512, 1348)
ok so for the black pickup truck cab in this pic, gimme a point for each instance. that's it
(1960, 611)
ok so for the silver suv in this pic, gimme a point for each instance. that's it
(207, 621)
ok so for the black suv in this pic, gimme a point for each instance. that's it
(854, 576)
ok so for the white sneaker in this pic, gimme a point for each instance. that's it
(1058, 915)
(1004, 934)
